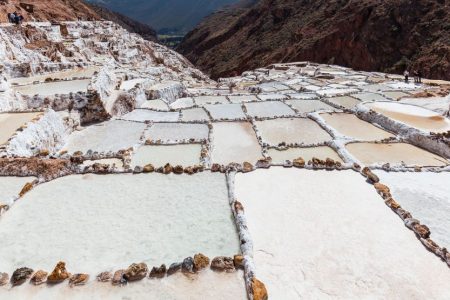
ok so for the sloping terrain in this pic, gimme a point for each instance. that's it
(371, 35)
(45, 10)
(129, 24)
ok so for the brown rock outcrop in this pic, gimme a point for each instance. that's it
(422, 231)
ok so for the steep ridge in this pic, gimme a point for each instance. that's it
(367, 35)
(45, 10)
(129, 24)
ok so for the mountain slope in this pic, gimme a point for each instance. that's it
(384, 35)
(49, 10)
(129, 24)
(179, 15)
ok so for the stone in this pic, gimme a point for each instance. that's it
(178, 170)
(59, 274)
(299, 162)
(392, 203)
(238, 261)
(422, 231)
(167, 169)
(78, 279)
(247, 167)
(136, 272)
(149, 168)
(383, 190)
(104, 277)
(370, 175)
(118, 278)
(431, 246)
(215, 168)
(200, 262)
(356, 167)
(44, 152)
(238, 207)
(264, 163)
(21, 275)
(3, 208)
(4, 278)
(39, 277)
(259, 290)
(188, 265)
(222, 263)
(411, 222)
(189, 170)
(27, 187)
(404, 214)
(173, 268)
(158, 272)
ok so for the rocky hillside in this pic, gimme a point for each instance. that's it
(48, 10)
(129, 24)
(375, 35)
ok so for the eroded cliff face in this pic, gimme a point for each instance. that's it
(367, 35)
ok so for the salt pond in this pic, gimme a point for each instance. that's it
(146, 115)
(353, 127)
(307, 106)
(160, 155)
(194, 114)
(414, 116)
(226, 111)
(53, 88)
(280, 156)
(425, 195)
(313, 232)
(344, 102)
(10, 122)
(96, 222)
(396, 154)
(234, 142)
(171, 132)
(295, 130)
(113, 135)
(268, 109)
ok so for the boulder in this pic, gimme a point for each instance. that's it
(188, 265)
(371, 177)
(59, 274)
(4, 278)
(238, 261)
(149, 168)
(118, 278)
(158, 272)
(200, 262)
(431, 246)
(39, 277)
(383, 190)
(78, 279)
(136, 272)
(259, 290)
(264, 163)
(222, 263)
(247, 167)
(299, 163)
(167, 169)
(21, 275)
(178, 170)
(26, 188)
(422, 231)
(403, 214)
(104, 276)
(189, 170)
(175, 267)
(215, 168)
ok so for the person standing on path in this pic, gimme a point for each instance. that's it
(406, 74)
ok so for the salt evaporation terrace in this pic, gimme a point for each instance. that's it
(118, 156)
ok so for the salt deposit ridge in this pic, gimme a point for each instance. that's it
(125, 171)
